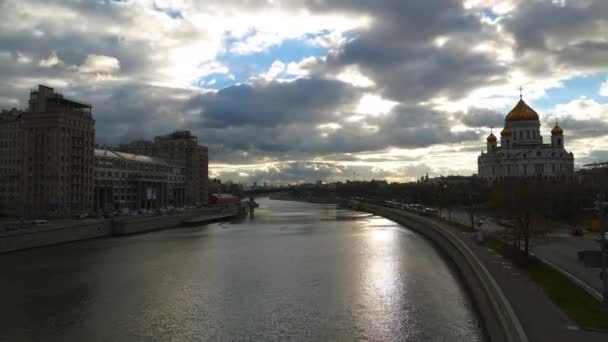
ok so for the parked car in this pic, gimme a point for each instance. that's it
(40, 223)
(507, 223)
(577, 231)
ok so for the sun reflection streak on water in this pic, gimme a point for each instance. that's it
(382, 281)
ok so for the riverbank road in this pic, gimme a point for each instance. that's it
(560, 248)
(541, 319)
(488, 224)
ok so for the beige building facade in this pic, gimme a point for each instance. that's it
(133, 181)
(180, 148)
(52, 149)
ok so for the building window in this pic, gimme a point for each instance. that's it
(559, 142)
(528, 134)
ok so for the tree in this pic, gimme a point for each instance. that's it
(527, 206)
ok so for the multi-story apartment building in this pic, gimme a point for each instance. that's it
(181, 148)
(59, 137)
(51, 149)
(10, 162)
(133, 181)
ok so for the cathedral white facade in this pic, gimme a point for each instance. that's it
(522, 153)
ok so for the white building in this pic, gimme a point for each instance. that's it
(522, 153)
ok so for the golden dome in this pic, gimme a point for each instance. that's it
(491, 138)
(505, 131)
(521, 112)
(557, 130)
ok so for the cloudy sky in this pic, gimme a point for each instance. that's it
(300, 90)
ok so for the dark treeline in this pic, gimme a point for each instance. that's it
(566, 201)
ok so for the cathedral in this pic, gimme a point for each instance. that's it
(522, 153)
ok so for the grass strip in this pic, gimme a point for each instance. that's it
(580, 306)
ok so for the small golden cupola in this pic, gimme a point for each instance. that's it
(505, 132)
(521, 112)
(491, 138)
(557, 130)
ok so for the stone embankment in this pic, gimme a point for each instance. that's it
(73, 230)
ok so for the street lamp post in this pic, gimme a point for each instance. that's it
(601, 206)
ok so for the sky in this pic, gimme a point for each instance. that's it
(306, 90)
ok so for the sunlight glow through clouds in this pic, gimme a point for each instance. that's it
(353, 76)
(374, 105)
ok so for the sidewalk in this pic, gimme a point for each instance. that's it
(540, 317)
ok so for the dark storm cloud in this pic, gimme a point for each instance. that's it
(404, 127)
(567, 35)
(421, 127)
(482, 117)
(399, 54)
(579, 129)
(274, 103)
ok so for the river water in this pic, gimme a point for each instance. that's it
(294, 272)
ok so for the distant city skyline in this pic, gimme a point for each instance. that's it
(300, 91)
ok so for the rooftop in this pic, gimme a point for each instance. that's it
(131, 157)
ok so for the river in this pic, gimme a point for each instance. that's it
(293, 272)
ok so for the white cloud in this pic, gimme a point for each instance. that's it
(23, 59)
(99, 64)
(604, 88)
(353, 76)
(51, 61)
(257, 31)
(276, 69)
(583, 109)
(301, 68)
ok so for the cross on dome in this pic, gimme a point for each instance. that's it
(521, 89)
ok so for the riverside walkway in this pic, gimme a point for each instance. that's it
(541, 319)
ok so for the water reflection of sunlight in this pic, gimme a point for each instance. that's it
(381, 235)
(381, 280)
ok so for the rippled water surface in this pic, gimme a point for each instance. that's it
(296, 271)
